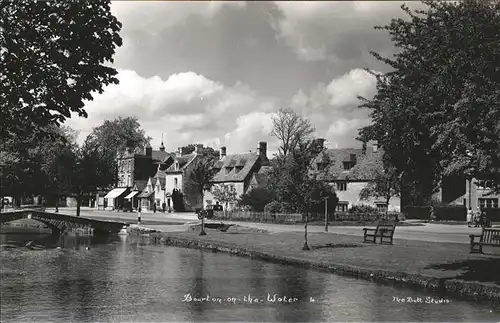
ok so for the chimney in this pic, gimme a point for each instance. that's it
(375, 146)
(371, 148)
(222, 152)
(148, 150)
(162, 147)
(179, 152)
(198, 149)
(262, 151)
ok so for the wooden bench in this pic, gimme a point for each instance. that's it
(488, 237)
(384, 230)
(218, 226)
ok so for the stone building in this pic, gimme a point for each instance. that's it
(241, 172)
(350, 170)
(178, 177)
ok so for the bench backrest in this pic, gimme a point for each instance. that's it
(491, 236)
(386, 226)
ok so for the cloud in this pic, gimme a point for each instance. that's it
(333, 107)
(186, 108)
(335, 31)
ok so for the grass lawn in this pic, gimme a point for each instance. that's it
(441, 260)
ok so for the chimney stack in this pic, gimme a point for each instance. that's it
(222, 152)
(148, 150)
(262, 151)
(198, 149)
(179, 152)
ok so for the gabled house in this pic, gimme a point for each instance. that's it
(350, 170)
(238, 171)
(177, 177)
(147, 195)
(159, 197)
(474, 193)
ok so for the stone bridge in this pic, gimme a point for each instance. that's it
(60, 223)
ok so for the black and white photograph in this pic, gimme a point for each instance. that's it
(249, 161)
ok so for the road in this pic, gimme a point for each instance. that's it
(179, 222)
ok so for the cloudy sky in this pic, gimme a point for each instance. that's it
(214, 72)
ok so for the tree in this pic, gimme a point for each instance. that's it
(386, 184)
(225, 194)
(201, 176)
(122, 135)
(93, 169)
(54, 55)
(257, 198)
(290, 128)
(436, 113)
(207, 151)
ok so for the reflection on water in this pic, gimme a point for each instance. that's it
(125, 279)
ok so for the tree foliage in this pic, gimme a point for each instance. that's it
(290, 128)
(54, 56)
(225, 194)
(206, 151)
(257, 198)
(385, 185)
(202, 173)
(121, 135)
(437, 112)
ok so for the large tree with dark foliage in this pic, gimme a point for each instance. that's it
(121, 135)
(437, 112)
(93, 169)
(54, 55)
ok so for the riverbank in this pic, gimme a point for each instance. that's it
(446, 268)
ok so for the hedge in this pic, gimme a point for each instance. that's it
(450, 213)
(493, 214)
(416, 212)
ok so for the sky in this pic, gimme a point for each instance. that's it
(215, 72)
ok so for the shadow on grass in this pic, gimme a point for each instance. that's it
(483, 270)
(336, 245)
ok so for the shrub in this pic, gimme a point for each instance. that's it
(450, 212)
(362, 209)
(257, 199)
(417, 212)
(278, 207)
(493, 214)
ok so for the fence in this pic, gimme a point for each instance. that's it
(299, 218)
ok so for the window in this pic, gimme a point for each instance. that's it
(238, 169)
(228, 170)
(348, 165)
(482, 185)
(341, 186)
(176, 183)
(176, 165)
(488, 203)
(342, 206)
(381, 207)
(129, 182)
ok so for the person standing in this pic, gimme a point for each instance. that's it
(154, 207)
(470, 217)
(139, 215)
(164, 207)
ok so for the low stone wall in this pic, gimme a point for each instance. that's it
(451, 287)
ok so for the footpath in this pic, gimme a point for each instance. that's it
(445, 268)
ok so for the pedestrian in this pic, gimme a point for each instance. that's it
(139, 215)
(154, 207)
(164, 207)
(470, 216)
(476, 217)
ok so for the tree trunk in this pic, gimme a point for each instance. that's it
(306, 246)
(78, 204)
(57, 202)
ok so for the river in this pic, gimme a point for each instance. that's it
(127, 279)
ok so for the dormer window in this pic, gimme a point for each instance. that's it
(228, 170)
(348, 165)
(176, 165)
(238, 169)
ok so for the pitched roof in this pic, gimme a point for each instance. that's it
(159, 155)
(141, 184)
(182, 160)
(239, 166)
(364, 169)
(162, 182)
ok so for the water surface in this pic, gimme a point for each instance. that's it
(128, 280)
